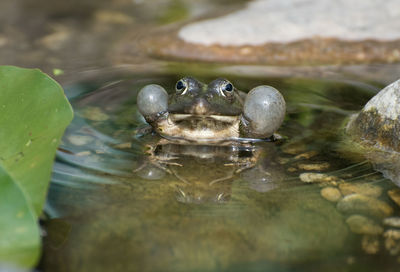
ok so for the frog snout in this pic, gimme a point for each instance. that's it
(200, 107)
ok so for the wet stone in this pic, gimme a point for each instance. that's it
(57, 39)
(83, 153)
(394, 194)
(79, 140)
(294, 148)
(386, 162)
(331, 194)
(361, 204)
(126, 145)
(306, 155)
(95, 114)
(378, 122)
(370, 244)
(392, 241)
(283, 160)
(392, 222)
(363, 225)
(317, 178)
(360, 188)
(314, 166)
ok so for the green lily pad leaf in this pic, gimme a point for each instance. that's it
(19, 243)
(34, 113)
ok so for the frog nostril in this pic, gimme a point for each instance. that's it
(200, 106)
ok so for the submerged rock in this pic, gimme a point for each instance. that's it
(394, 194)
(370, 244)
(331, 194)
(392, 222)
(363, 225)
(361, 204)
(317, 178)
(95, 114)
(314, 166)
(392, 241)
(360, 188)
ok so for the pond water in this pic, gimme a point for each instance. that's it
(121, 199)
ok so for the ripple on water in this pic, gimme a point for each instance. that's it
(132, 199)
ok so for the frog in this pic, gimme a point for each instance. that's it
(209, 129)
(212, 113)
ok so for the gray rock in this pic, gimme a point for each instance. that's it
(266, 21)
(378, 122)
(387, 102)
(377, 129)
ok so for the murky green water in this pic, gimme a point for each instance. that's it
(112, 207)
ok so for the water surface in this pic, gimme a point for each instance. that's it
(114, 207)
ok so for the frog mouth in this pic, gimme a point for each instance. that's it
(218, 118)
(198, 127)
(204, 122)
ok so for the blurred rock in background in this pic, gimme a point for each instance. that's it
(292, 32)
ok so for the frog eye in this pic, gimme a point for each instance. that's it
(181, 87)
(227, 89)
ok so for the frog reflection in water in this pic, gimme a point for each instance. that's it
(212, 123)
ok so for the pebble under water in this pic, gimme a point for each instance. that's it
(308, 203)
